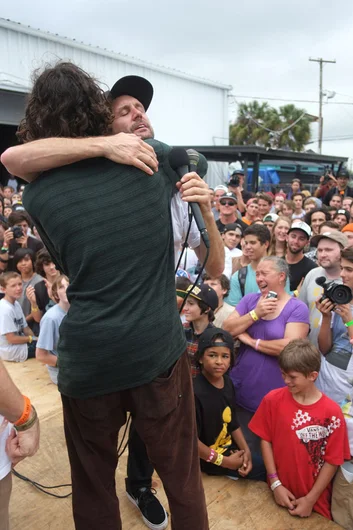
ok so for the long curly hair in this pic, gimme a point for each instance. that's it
(65, 102)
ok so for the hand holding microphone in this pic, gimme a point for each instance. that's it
(194, 190)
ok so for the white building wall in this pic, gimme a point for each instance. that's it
(184, 111)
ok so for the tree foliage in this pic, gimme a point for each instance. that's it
(256, 121)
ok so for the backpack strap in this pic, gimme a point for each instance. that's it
(242, 278)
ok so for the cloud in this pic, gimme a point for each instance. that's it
(260, 48)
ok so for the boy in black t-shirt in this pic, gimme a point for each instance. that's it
(222, 446)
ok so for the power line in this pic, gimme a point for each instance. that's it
(290, 100)
(273, 99)
(275, 132)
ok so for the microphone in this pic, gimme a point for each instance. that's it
(321, 280)
(194, 158)
(179, 161)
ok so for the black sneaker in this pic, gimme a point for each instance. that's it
(153, 514)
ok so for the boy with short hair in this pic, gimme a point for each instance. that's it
(298, 199)
(222, 446)
(16, 338)
(49, 328)
(201, 302)
(303, 434)
(288, 208)
(256, 239)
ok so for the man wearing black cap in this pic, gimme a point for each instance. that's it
(130, 98)
(113, 357)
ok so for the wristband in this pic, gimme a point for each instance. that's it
(34, 308)
(272, 475)
(254, 315)
(275, 485)
(218, 460)
(349, 324)
(257, 344)
(26, 412)
(28, 424)
(30, 339)
(212, 453)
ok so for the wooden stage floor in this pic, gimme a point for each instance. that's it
(240, 505)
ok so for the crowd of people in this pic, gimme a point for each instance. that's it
(257, 365)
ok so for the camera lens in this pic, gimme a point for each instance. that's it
(341, 294)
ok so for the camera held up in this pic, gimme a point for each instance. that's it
(335, 292)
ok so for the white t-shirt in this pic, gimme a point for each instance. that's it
(12, 320)
(5, 464)
(180, 223)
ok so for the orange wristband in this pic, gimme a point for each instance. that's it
(26, 412)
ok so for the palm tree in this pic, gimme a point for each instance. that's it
(297, 136)
(248, 130)
(264, 126)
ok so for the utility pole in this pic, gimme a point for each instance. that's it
(321, 62)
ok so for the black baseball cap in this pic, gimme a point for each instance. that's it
(207, 339)
(203, 292)
(232, 226)
(135, 86)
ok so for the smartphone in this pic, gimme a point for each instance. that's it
(271, 294)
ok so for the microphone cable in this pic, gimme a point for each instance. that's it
(43, 488)
(185, 243)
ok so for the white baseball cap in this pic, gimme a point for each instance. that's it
(300, 225)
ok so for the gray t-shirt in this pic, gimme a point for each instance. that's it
(23, 301)
(12, 320)
(49, 335)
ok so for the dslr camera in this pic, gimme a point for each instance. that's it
(335, 292)
(327, 175)
(234, 181)
(17, 231)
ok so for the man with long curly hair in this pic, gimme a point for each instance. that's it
(113, 357)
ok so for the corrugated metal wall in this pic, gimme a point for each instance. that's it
(184, 110)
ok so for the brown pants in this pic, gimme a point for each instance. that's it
(164, 417)
(5, 493)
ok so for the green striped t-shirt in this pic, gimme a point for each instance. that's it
(108, 227)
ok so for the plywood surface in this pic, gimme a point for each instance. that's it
(240, 505)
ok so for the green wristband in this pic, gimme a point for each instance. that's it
(349, 324)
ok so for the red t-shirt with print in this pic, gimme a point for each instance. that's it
(303, 438)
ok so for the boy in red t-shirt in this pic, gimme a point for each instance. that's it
(303, 435)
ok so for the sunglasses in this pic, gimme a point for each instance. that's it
(227, 203)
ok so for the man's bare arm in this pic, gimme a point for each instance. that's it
(27, 161)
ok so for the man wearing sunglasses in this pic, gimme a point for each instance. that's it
(228, 213)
